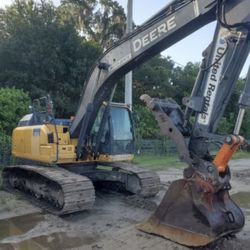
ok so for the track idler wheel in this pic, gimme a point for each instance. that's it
(193, 215)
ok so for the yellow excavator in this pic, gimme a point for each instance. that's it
(66, 154)
(63, 181)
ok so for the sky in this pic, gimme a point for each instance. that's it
(188, 50)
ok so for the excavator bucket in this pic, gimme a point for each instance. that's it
(192, 215)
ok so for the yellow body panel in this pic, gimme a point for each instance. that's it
(32, 142)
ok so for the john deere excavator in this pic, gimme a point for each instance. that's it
(197, 209)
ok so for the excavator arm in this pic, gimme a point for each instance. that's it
(201, 198)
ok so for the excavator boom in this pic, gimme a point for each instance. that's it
(174, 22)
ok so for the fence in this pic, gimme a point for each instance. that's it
(167, 147)
(155, 147)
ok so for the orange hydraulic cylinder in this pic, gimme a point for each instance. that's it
(230, 146)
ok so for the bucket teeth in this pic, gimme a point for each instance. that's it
(192, 215)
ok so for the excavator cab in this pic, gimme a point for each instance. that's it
(112, 132)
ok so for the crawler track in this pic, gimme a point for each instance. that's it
(138, 180)
(55, 189)
(60, 191)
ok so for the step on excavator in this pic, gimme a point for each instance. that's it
(66, 155)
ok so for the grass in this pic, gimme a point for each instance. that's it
(241, 155)
(161, 162)
(158, 162)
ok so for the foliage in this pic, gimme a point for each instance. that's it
(227, 123)
(153, 78)
(160, 78)
(102, 21)
(146, 126)
(41, 55)
(5, 150)
(245, 130)
(225, 127)
(183, 80)
(14, 104)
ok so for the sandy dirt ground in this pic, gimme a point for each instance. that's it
(111, 225)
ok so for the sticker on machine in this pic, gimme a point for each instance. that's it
(213, 81)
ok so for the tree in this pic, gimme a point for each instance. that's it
(153, 78)
(102, 21)
(42, 55)
(245, 131)
(14, 104)
(183, 80)
(146, 125)
(227, 123)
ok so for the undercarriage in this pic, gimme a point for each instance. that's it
(68, 189)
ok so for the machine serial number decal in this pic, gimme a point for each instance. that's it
(120, 62)
(213, 81)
